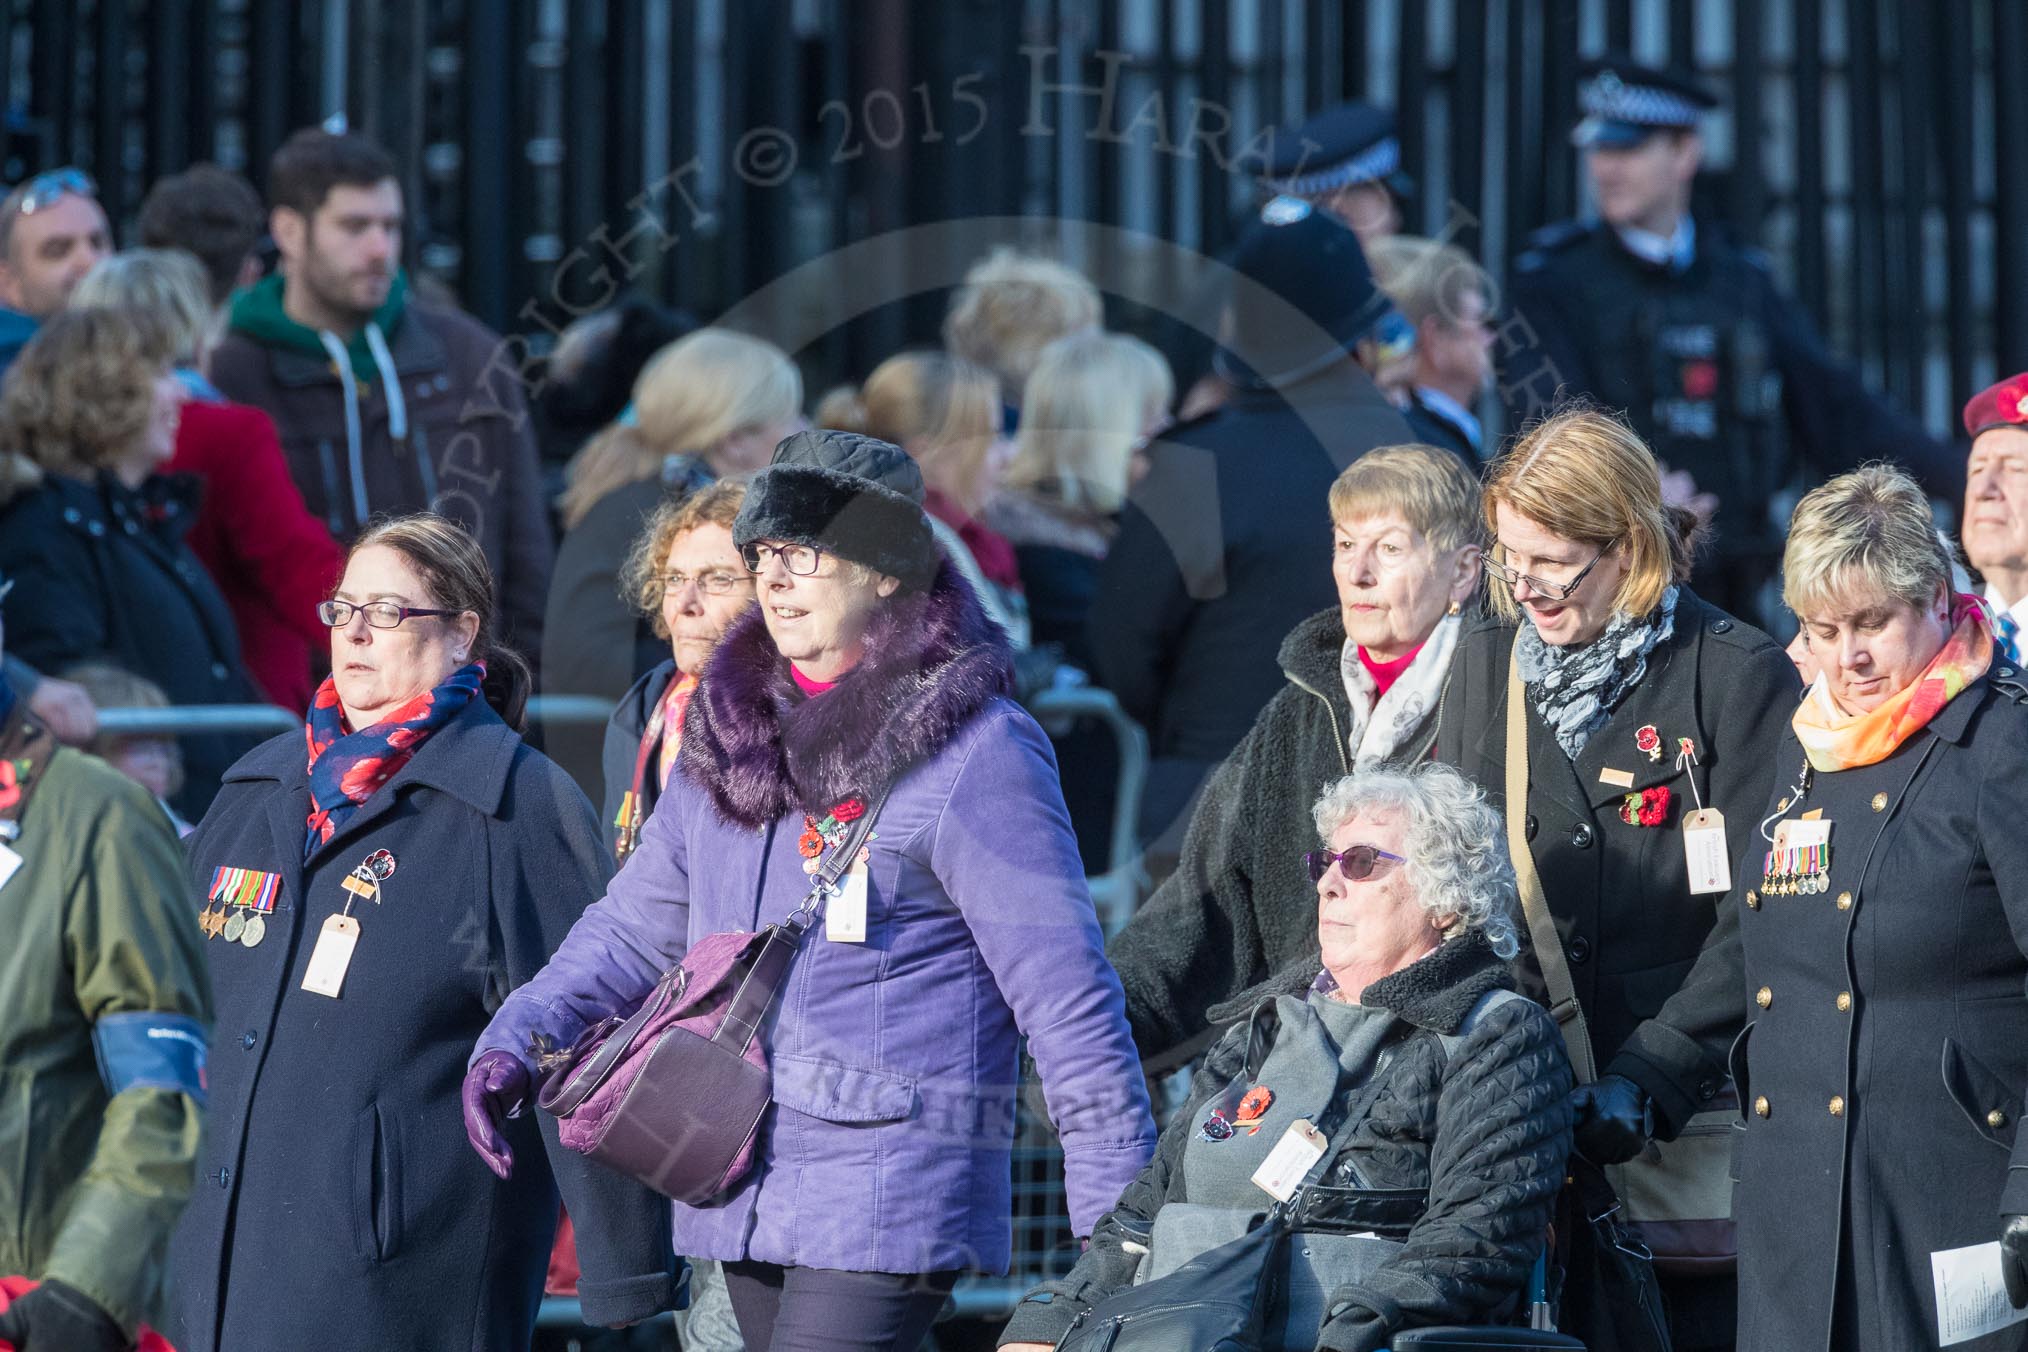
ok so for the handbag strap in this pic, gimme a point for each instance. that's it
(763, 982)
(1542, 935)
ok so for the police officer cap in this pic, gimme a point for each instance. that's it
(1303, 298)
(1348, 144)
(1624, 103)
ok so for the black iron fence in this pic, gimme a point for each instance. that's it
(559, 150)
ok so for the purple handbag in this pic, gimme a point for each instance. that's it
(673, 1094)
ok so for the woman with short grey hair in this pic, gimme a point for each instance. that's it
(1456, 865)
(1450, 1091)
(1879, 951)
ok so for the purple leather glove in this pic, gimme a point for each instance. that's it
(496, 1088)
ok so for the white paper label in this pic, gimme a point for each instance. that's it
(1801, 833)
(333, 954)
(1704, 851)
(1971, 1295)
(10, 864)
(845, 913)
(1282, 1172)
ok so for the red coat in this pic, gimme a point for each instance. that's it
(271, 558)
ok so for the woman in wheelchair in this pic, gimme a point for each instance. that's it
(1448, 1093)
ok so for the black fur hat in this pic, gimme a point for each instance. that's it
(851, 495)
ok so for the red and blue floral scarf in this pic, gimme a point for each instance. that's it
(347, 766)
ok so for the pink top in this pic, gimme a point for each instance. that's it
(1385, 674)
(806, 685)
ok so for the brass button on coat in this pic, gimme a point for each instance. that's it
(1764, 997)
(1837, 1105)
(1760, 1106)
(1996, 1119)
(1844, 901)
(1752, 900)
(1844, 1001)
(1880, 802)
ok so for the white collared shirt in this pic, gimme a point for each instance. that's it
(1451, 411)
(1674, 251)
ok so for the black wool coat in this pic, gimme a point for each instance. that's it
(103, 574)
(1239, 905)
(338, 1205)
(1480, 1135)
(1620, 893)
(1224, 547)
(1883, 1072)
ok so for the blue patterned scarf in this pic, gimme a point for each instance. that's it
(347, 766)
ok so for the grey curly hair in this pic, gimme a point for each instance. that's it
(1457, 857)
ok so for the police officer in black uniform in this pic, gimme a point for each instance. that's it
(1345, 160)
(1649, 311)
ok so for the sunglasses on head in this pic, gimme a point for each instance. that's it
(1358, 863)
(45, 190)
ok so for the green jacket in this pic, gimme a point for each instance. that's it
(100, 924)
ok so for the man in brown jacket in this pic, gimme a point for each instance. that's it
(385, 403)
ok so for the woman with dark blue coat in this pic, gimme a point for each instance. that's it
(368, 907)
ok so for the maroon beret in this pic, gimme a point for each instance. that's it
(2003, 404)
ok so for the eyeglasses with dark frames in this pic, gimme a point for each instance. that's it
(1358, 863)
(1555, 591)
(379, 614)
(802, 560)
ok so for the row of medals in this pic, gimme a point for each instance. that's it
(1803, 873)
(240, 926)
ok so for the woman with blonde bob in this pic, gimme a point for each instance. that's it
(1094, 403)
(1641, 704)
(714, 404)
(945, 412)
(1879, 958)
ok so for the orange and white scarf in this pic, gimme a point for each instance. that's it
(1835, 740)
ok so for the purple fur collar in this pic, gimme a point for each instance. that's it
(763, 751)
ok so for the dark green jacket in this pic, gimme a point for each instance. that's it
(99, 924)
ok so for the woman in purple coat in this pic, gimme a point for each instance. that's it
(883, 1168)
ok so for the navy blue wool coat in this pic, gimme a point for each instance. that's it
(337, 1204)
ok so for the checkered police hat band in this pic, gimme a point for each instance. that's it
(1377, 161)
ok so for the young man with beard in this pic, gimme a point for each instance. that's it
(386, 404)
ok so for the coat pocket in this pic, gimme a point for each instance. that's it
(376, 1187)
(1742, 1074)
(831, 1092)
(1988, 1102)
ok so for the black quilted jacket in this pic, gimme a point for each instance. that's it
(1484, 1132)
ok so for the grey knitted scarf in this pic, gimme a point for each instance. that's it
(1576, 688)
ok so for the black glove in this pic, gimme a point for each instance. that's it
(2014, 1258)
(58, 1318)
(1614, 1119)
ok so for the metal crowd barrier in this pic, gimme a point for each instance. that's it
(1043, 1244)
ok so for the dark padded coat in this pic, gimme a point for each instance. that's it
(1484, 1132)
(1239, 906)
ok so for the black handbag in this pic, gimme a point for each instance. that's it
(1610, 1296)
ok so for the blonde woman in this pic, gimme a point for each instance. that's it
(711, 405)
(1094, 403)
(1642, 702)
(271, 577)
(945, 412)
(1011, 306)
(1882, 1064)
